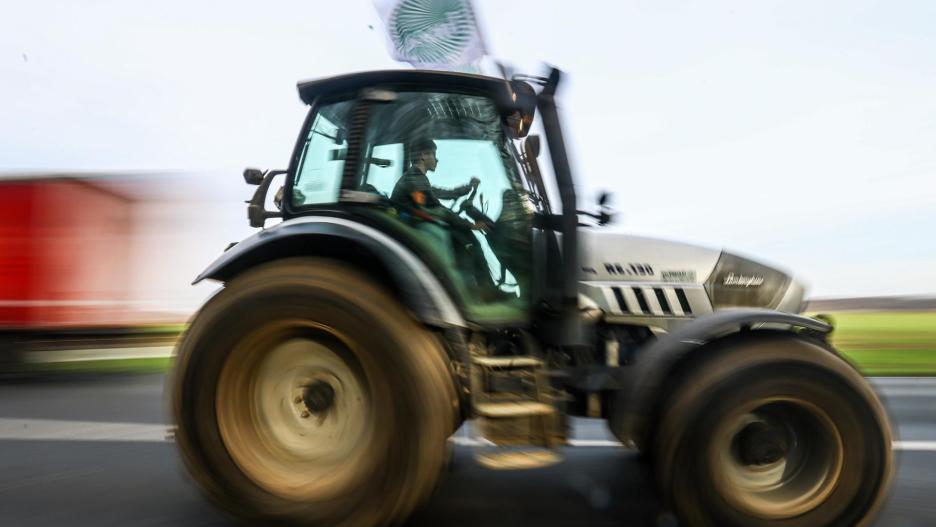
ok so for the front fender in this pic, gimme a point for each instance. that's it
(634, 406)
(420, 290)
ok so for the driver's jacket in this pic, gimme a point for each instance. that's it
(415, 181)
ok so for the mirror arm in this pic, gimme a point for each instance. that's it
(603, 217)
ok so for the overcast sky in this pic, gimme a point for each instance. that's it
(801, 133)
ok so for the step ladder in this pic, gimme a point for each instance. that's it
(515, 413)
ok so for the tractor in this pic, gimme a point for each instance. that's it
(427, 272)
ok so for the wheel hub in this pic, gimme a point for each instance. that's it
(293, 411)
(762, 443)
(318, 397)
(776, 458)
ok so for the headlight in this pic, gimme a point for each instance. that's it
(739, 282)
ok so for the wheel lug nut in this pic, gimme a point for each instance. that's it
(304, 414)
(298, 399)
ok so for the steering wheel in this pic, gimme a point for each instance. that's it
(459, 205)
(468, 201)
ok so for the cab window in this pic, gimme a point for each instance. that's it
(322, 160)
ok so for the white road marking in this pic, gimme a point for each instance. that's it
(895, 393)
(909, 446)
(57, 430)
(902, 380)
(63, 430)
(594, 443)
(915, 446)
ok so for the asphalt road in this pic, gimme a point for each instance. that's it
(92, 451)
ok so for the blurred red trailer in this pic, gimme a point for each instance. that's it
(65, 264)
(64, 254)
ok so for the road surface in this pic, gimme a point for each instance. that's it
(93, 451)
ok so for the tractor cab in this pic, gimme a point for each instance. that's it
(434, 160)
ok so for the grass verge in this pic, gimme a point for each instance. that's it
(142, 365)
(879, 343)
(888, 343)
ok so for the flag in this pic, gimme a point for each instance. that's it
(432, 34)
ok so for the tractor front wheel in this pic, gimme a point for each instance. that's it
(774, 432)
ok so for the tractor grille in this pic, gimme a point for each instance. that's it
(652, 300)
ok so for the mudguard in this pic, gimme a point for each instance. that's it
(633, 406)
(420, 291)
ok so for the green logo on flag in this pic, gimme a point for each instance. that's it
(432, 31)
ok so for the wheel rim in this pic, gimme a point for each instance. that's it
(294, 411)
(777, 458)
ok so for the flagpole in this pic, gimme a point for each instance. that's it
(484, 49)
(477, 19)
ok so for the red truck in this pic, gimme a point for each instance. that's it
(66, 247)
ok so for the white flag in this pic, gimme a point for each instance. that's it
(432, 34)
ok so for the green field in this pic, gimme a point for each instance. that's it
(146, 365)
(888, 343)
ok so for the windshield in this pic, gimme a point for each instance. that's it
(466, 127)
(442, 168)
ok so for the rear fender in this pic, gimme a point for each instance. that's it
(635, 406)
(416, 286)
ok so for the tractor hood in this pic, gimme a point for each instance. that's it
(632, 275)
(622, 257)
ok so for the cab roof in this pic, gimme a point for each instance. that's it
(494, 87)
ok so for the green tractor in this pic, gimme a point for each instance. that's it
(421, 277)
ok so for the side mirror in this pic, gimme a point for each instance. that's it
(531, 147)
(256, 213)
(518, 124)
(604, 198)
(278, 197)
(340, 136)
(253, 176)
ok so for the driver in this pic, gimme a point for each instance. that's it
(414, 187)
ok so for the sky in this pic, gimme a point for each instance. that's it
(799, 133)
